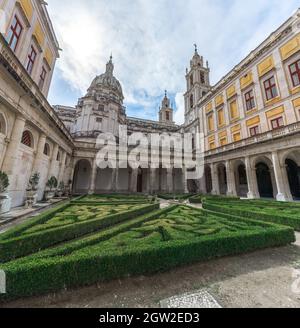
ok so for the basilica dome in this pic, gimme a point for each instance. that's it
(107, 81)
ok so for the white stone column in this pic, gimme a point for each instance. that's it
(115, 178)
(37, 166)
(215, 180)
(11, 155)
(152, 180)
(133, 182)
(93, 178)
(231, 185)
(53, 161)
(251, 180)
(62, 167)
(184, 180)
(170, 180)
(279, 177)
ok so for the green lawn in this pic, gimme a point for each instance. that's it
(153, 242)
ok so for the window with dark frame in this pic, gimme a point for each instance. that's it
(295, 73)
(27, 139)
(202, 78)
(42, 78)
(249, 99)
(277, 123)
(270, 88)
(192, 101)
(31, 59)
(14, 33)
(47, 149)
(254, 131)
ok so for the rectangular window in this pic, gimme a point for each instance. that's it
(277, 123)
(202, 78)
(167, 116)
(223, 141)
(295, 73)
(31, 59)
(14, 33)
(250, 102)
(270, 88)
(212, 145)
(234, 112)
(42, 78)
(237, 137)
(210, 121)
(254, 131)
(221, 117)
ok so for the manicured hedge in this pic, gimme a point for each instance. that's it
(174, 196)
(251, 210)
(108, 198)
(79, 264)
(196, 199)
(13, 245)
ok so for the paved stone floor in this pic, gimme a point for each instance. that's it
(201, 299)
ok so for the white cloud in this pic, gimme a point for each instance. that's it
(152, 40)
(179, 114)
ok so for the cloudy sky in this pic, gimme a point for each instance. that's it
(152, 43)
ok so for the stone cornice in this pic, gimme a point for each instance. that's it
(246, 63)
(14, 67)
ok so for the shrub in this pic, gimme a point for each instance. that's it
(276, 213)
(52, 183)
(152, 243)
(4, 182)
(174, 196)
(14, 244)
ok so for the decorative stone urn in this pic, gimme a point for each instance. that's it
(5, 203)
(31, 198)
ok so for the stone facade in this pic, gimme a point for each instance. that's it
(249, 120)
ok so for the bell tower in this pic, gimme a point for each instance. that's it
(198, 84)
(166, 110)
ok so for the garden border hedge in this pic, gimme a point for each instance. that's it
(43, 275)
(282, 220)
(14, 247)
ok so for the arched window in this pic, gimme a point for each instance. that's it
(27, 139)
(47, 150)
(192, 101)
(191, 80)
(2, 124)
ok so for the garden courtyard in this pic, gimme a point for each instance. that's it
(137, 251)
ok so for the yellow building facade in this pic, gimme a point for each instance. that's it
(251, 122)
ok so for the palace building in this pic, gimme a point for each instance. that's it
(250, 119)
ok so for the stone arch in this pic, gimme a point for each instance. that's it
(27, 139)
(82, 177)
(222, 178)
(241, 181)
(265, 177)
(293, 175)
(3, 124)
(293, 155)
(47, 149)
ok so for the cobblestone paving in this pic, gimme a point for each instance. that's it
(198, 300)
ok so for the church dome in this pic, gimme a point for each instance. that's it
(107, 81)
